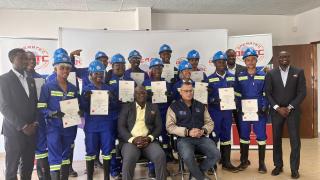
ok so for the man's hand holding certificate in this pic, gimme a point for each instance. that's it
(126, 91)
(99, 104)
(70, 108)
(250, 110)
(227, 98)
(159, 89)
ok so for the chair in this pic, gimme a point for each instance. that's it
(181, 170)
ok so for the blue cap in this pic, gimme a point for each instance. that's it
(193, 54)
(165, 47)
(96, 66)
(100, 54)
(184, 65)
(59, 51)
(134, 54)
(155, 62)
(249, 52)
(219, 56)
(61, 58)
(117, 58)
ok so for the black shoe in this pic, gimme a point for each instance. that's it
(244, 153)
(225, 158)
(276, 171)
(295, 175)
(72, 172)
(106, 169)
(152, 173)
(262, 168)
(243, 165)
(230, 167)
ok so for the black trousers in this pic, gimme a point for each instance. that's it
(19, 151)
(293, 122)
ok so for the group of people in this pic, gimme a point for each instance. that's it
(33, 126)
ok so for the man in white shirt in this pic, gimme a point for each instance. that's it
(18, 100)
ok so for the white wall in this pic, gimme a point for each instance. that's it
(279, 26)
(308, 26)
(29, 23)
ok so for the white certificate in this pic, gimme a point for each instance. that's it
(227, 98)
(39, 82)
(137, 77)
(70, 108)
(201, 92)
(250, 116)
(126, 91)
(197, 76)
(159, 89)
(250, 109)
(168, 72)
(72, 78)
(99, 102)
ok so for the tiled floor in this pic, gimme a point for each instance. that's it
(309, 166)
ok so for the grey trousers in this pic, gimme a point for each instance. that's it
(131, 154)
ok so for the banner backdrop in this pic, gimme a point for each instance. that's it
(42, 48)
(262, 43)
(207, 42)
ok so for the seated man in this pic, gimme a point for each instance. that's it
(138, 126)
(190, 121)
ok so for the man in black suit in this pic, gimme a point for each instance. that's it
(285, 90)
(138, 127)
(18, 104)
(233, 68)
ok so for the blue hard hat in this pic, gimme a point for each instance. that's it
(193, 54)
(61, 58)
(219, 56)
(100, 54)
(117, 58)
(249, 52)
(96, 66)
(155, 62)
(165, 47)
(134, 54)
(184, 65)
(59, 51)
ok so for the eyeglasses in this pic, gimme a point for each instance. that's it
(187, 91)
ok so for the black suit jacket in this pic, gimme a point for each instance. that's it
(127, 120)
(239, 69)
(17, 108)
(293, 93)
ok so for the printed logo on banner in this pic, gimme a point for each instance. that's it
(42, 55)
(240, 48)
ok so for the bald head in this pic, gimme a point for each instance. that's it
(284, 59)
(140, 95)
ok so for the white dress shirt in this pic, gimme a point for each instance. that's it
(284, 75)
(23, 80)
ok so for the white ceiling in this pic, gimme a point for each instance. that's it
(265, 7)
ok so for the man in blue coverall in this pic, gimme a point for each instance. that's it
(98, 128)
(222, 118)
(59, 139)
(250, 84)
